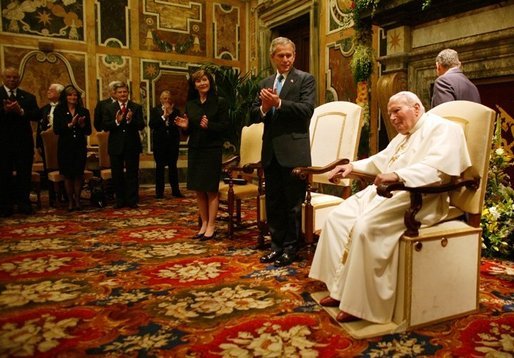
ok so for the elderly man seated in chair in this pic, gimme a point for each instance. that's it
(357, 253)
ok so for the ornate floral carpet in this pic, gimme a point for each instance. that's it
(132, 283)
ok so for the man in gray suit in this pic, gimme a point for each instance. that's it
(285, 105)
(452, 84)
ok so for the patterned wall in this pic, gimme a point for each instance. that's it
(171, 27)
(151, 44)
(340, 86)
(59, 19)
(340, 83)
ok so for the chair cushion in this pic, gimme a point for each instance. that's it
(36, 177)
(445, 228)
(55, 176)
(319, 200)
(322, 205)
(88, 174)
(106, 174)
(240, 191)
(38, 167)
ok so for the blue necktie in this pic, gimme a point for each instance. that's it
(278, 88)
(279, 83)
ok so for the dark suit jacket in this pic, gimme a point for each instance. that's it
(98, 120)
(216, 110)
(15, 130)
(43, 123)
(286, 131)
(164, 137)
(74, 136)
(453, 86)
(123, 138)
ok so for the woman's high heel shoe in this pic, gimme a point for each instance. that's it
(212, 237)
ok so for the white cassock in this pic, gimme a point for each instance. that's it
(365, 229)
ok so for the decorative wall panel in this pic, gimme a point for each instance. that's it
(111, 68)
(39, 69)
(339, 15)
(226, 31)
(58, 19)
(340, 84)
(173, 27)
(112, 23)
(165, 75)
(158, 76)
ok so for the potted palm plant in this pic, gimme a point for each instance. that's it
(240, 90)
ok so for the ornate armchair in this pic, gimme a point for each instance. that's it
(244, 179)
(50, 140)
(438, 274)
(334, 134)
(104, 161)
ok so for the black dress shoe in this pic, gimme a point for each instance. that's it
(270, 257)
(5, 213)
(286, 259)
(159, 196)
(118, 206)
(178, 195)
(205, 237)
(133, 206)
(198, 236)
(25, 209)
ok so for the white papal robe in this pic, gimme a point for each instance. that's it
(365, 229)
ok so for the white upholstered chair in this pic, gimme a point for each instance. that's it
(438, 275)
(334, 134)
(244, 179)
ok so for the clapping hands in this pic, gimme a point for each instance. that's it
(12, 106)
(182, 122)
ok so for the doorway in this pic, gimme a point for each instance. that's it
(298, 31)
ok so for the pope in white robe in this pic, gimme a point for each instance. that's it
(357, 253)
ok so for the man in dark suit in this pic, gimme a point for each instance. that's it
(47, 114)
(46, 121)
(452, 84)
(123, 120)
(16, 143)
(100, 105)
(286, 103)
(166, 141)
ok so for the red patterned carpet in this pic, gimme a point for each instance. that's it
(132, 283)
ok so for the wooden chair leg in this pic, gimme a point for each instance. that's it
(238, 211)
(37, 186)
(309, 228)
(230, 223)
(57, 191)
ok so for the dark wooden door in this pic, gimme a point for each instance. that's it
(298, 31)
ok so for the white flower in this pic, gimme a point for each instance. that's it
(500, 151)
(494, 212)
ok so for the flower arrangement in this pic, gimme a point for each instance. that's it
(497, 219)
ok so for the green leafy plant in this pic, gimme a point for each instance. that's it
(240, 90)
(497, 219)
(362, 63)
